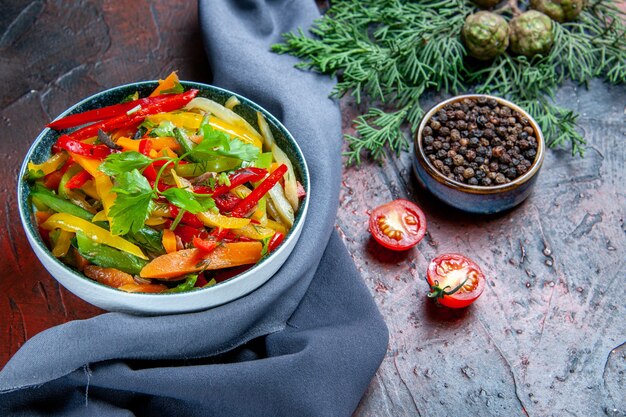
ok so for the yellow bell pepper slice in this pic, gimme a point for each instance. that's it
(255, 231)
(279, 227)
(75, 224)
(53, 163)
(186, 120)
(155, 221)
(89, 188)
(217, 220)
(165, 84)
(128, 144)
(62, 244)
(89, 164)
(234, 130)
(103, 188)
(100, 216)
(192, 121)
(260, 214)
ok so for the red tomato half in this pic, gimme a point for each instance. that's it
(398, 225)
(455, 280)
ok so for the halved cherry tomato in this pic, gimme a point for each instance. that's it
(455, 280)
(398, 225)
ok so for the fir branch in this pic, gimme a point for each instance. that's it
(395, 51)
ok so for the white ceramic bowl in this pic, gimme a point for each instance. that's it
(142, 303)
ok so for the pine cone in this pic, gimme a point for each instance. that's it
(486, 35)
(559, 10)
(531, 33)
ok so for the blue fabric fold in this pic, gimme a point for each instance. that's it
(306, 343)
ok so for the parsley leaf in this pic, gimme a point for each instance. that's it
(165, 128)
(217, 143)
(118, 163)
(133, 203)
(187, 200)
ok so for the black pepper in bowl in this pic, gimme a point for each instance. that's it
(480, 142)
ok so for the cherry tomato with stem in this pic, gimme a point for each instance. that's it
(455, 280)
(398, 225)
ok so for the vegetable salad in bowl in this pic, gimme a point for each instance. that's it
(164, 194)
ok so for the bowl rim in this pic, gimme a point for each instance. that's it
(478, 189)
(25, 210)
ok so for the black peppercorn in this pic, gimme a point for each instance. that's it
(480, 142)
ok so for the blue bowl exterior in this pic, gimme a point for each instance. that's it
(472, 203)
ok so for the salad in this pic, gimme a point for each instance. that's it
(165, 193)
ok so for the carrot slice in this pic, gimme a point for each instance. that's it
(186, 261)
(166, 84)
(134, 287)
(108, 276)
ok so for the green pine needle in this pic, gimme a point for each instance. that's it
(392, 52)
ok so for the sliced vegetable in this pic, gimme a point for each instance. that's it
(108, 257)
(187, 285)
(78, 180)
(275, 241)
(108, 276)
(147, 288)
(254, 231)
(102, 113)
(205, 245)
(398, 225)
(71, 223)
(58, 204)
(455, 280)
(62, 243)
(281, 207)
(53, 163)
(250, 201)
(172, 102)
(169, 241)
(188, 261)
(217, 220)
(168, 83)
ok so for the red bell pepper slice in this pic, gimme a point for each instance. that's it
(85, 149)
(169, 103)
(239, 177)
(275, 240)
(220, 233)
(52, 180)
(150, 173)
(300, 190)
(78, 180)
(187, 233)
(226, 202)
(187, 218)
(145, 146)
(102, 113)
(205, 245)
(245, 205)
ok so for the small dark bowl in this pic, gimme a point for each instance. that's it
(473, 198)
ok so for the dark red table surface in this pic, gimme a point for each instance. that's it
(547, 336)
